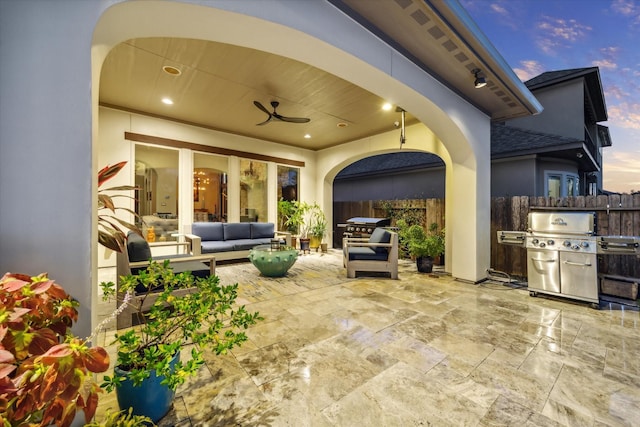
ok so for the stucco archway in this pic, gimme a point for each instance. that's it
(453, 129)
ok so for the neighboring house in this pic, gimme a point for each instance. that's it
(556, 153)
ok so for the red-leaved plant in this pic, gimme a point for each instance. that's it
(110, 227)
(45, 371)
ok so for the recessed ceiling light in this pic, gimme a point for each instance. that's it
(386, 106)
(169, 69)
(307, 136)
(167, 101)
(342, 125)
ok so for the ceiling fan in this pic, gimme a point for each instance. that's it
(276, 116)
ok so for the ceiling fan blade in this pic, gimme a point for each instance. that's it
(261, 107)
(265, 122)
(295, 119)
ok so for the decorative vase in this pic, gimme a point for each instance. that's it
(424, 264)
(305, 245)
(315, 242)
(150, 398)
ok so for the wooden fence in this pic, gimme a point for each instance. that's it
(615, 215)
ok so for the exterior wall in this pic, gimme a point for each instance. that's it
(48, 178)
(563, 111)
(515, 177)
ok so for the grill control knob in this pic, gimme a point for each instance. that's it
(535, 241)
(575, 247)
(566, 243)
(585, 244)
(550, 242)
(542, 244)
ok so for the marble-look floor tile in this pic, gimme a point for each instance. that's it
(587, 392)
(421, 350)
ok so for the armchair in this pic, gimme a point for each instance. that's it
(378, 253)
(136, 257)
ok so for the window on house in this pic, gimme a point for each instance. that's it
(209, 188)
(156, 176)
(253, 190)
(560, 184)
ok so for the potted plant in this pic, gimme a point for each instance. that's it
(291, 215)
(148, 355)
(421, 245)
(314, 225)
(46, 373)
(317, 226)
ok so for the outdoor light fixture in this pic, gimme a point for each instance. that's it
(479, 81)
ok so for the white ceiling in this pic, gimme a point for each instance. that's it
(219, 83)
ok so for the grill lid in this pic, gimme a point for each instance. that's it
(380, 222)
(562, 223)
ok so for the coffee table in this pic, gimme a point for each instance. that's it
(273, 262)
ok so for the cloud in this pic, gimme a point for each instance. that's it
(624, 7)
(557, 33)
(620, 171)
(500, 10)
(528, 69)
(604, 63)
(625, 115)
(627, 8)
(615, 91)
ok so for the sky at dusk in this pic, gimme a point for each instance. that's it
(535, 36)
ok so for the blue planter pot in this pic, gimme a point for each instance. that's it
(150, 398)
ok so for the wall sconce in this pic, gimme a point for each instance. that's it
(579, 155)
(479, 81)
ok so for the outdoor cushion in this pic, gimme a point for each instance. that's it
(208, 230)
(236, 230)
(137, 248)
(261, 230)
(380, 235)
(211, 246)
(366, 253)
(244, 244)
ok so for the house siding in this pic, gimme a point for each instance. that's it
(563, 111)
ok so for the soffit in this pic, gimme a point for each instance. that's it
(219, 82)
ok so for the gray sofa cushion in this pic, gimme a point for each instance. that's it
(244, 244)
(236, 230)
(208, 230)
(211, 246)
(260, 230)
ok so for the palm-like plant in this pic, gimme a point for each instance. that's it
(110, 227)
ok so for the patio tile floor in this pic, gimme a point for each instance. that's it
(421, 350)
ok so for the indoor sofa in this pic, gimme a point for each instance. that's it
(229, 241)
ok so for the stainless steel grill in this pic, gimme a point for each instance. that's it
(562, 250)
(362, 226)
